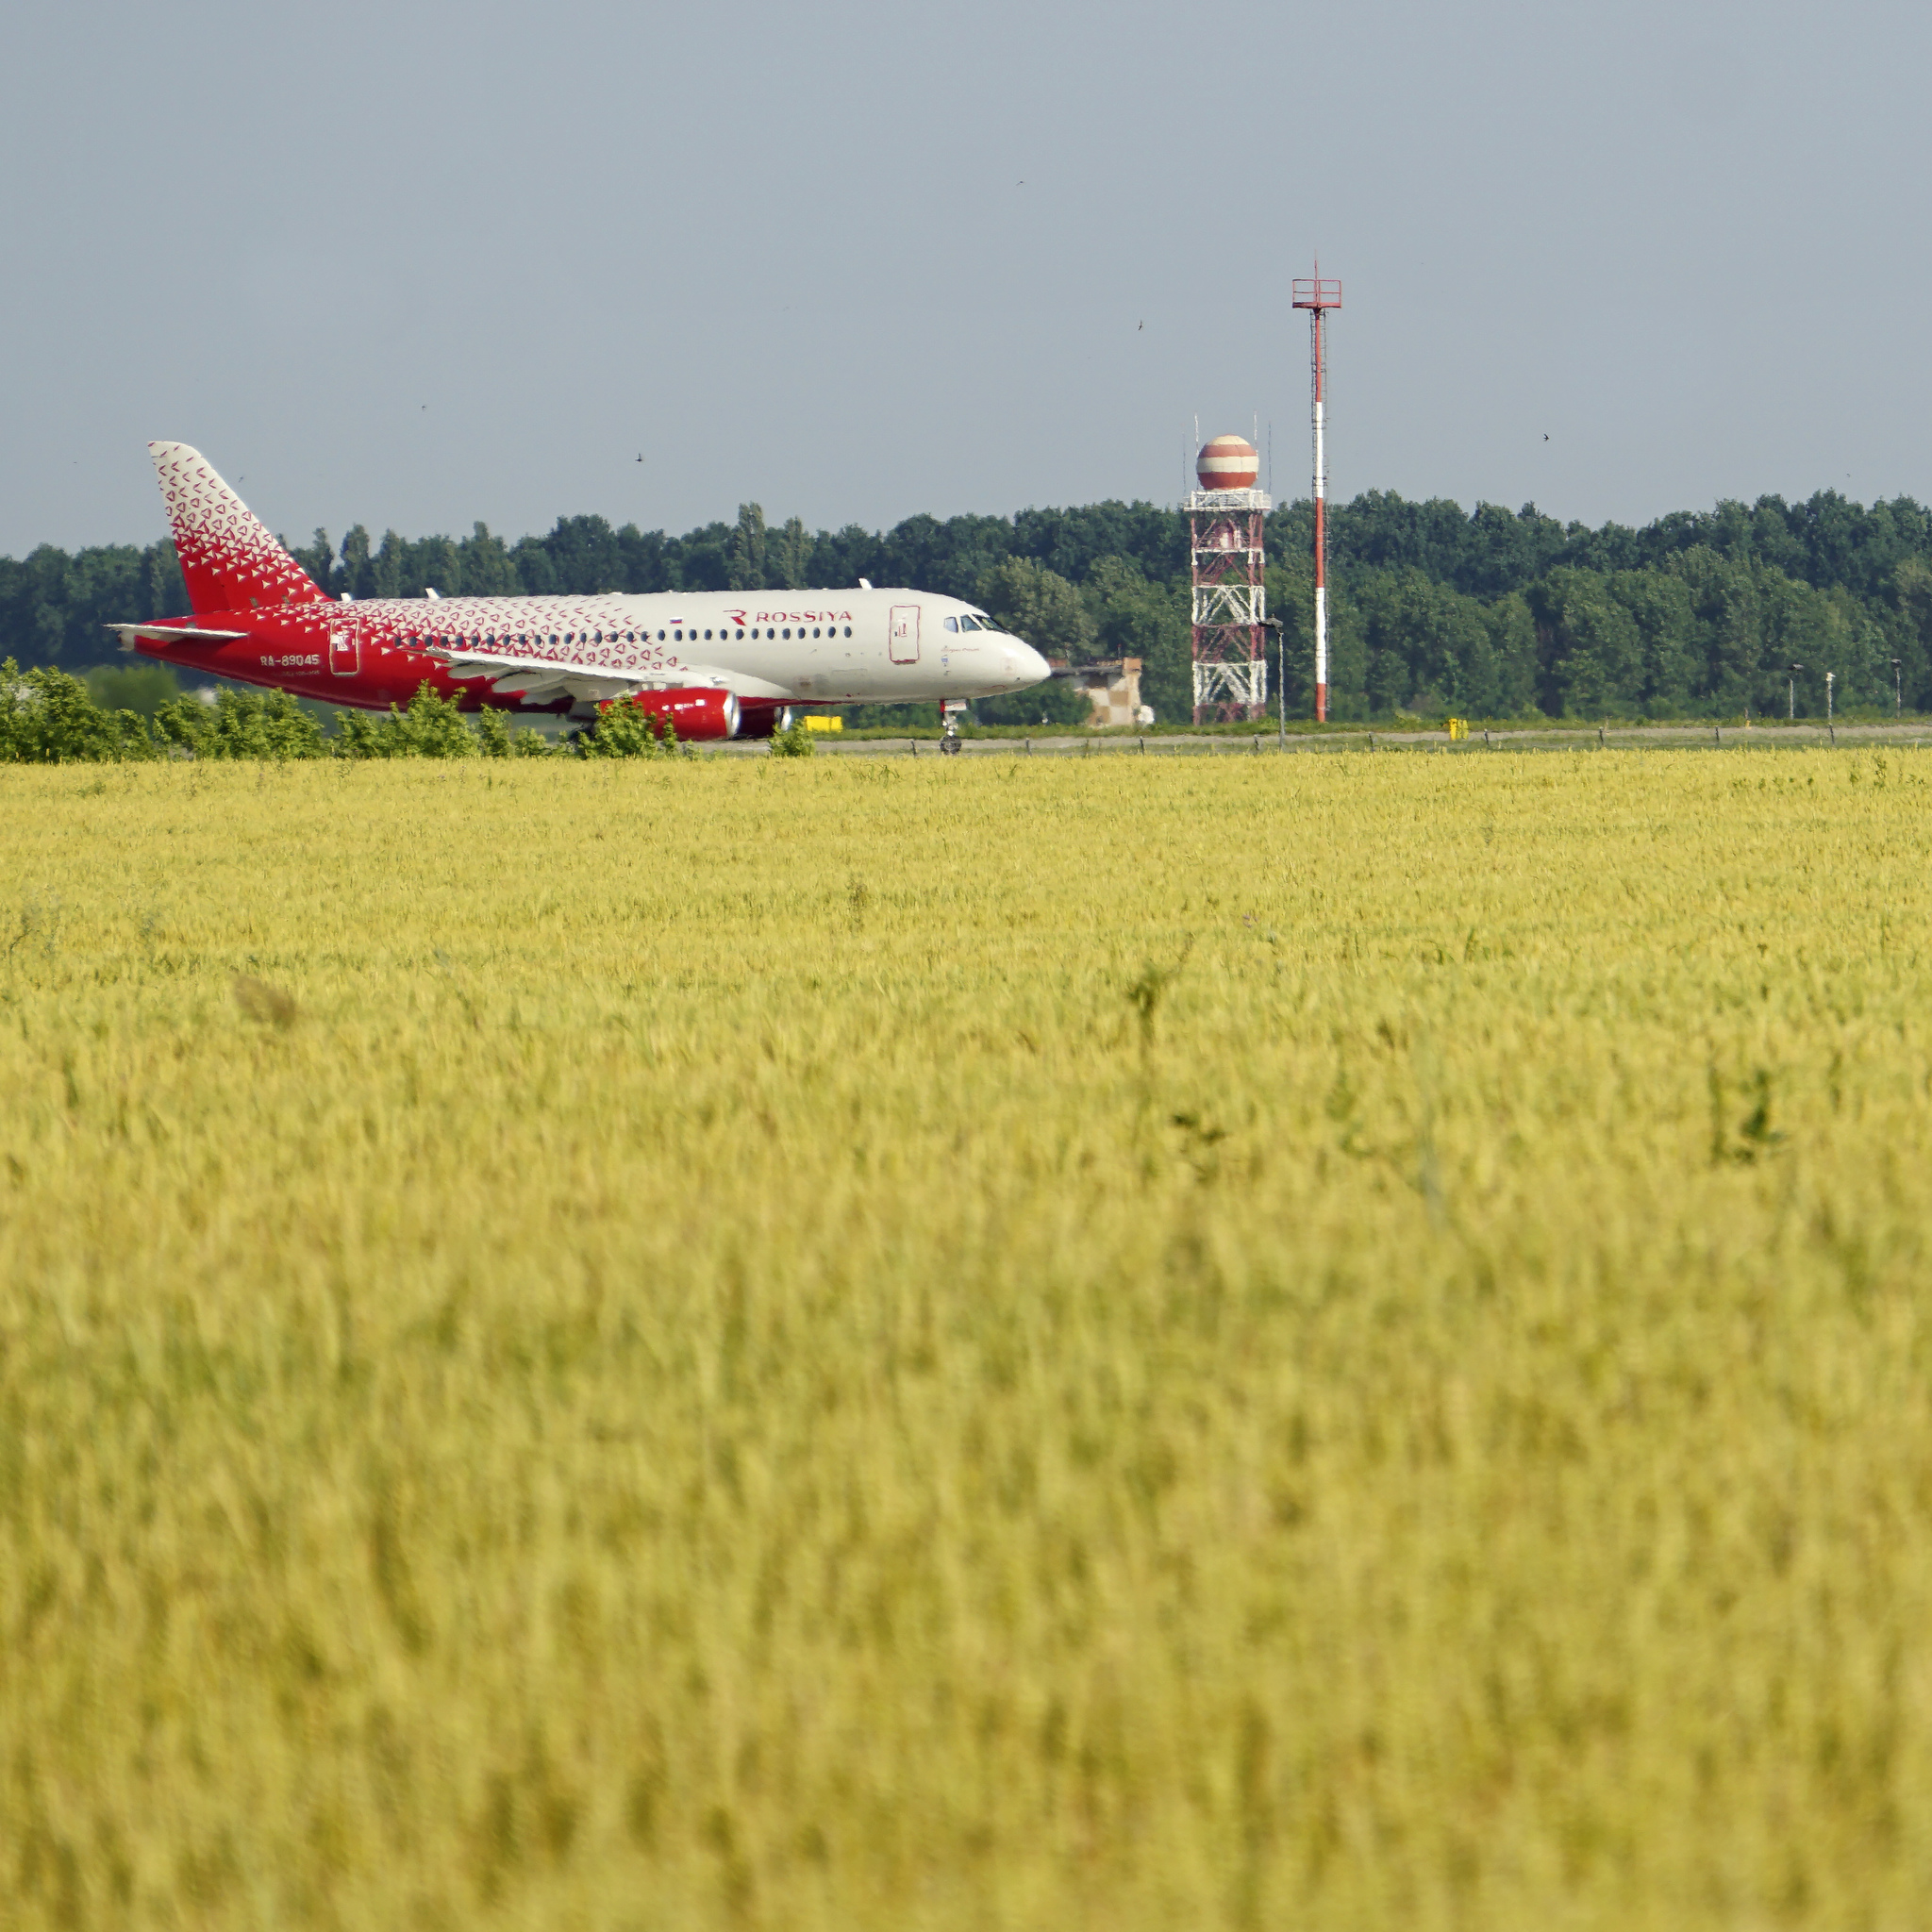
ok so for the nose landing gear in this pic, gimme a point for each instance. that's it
(952, 744)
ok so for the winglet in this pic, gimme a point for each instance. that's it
(228, 558)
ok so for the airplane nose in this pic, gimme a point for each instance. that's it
(1025, 666)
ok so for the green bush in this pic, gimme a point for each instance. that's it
(432, 727)
(626, 730)
(47, 718)
(241, 725)
(497, 739)
(795, 741)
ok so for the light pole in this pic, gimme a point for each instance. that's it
(1898, 689)
(1274, 623)
(1791, 693)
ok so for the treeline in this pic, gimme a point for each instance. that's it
(1491, 613)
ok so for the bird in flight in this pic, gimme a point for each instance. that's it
(1546, 436)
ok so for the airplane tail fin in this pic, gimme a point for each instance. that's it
(228, 558)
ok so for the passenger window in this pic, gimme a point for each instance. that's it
(708, 637)
(740, 632)
(848, 630)
(814, 630)
(788, 630)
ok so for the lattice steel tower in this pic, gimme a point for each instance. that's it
(1225, 539)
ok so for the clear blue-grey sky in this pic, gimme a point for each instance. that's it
(419, 264)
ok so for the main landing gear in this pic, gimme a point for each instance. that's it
(952, 744)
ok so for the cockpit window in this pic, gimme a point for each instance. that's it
(974, 620)
(952, 623)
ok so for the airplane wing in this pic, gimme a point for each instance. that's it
(170, 634)
(541, 680)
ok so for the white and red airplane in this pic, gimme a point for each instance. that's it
(716, 663)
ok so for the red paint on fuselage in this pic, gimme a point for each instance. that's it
(291, 648)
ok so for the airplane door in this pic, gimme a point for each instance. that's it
(344, 647)
(905, 633)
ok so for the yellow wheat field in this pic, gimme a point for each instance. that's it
(1132, 1344)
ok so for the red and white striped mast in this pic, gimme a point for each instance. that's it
(1318, 297)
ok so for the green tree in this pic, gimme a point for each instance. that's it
(388, 566)
(356, 573)
(1659, 606)
(1596, 661)
(436, 564)
(1040, 606)
(1912, 631)
(1430, 647)
(748, 549)
(318, 560)
(1513, 646)
(789, 558)
(536, 574)
(1134, 618)
(488, 570)
(1726, 602)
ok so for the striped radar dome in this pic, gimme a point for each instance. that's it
(1228, 462)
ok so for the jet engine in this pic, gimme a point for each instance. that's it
(694, 714)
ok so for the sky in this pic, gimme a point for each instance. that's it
(419, 264)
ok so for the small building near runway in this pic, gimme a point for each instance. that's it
(1112, 689)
